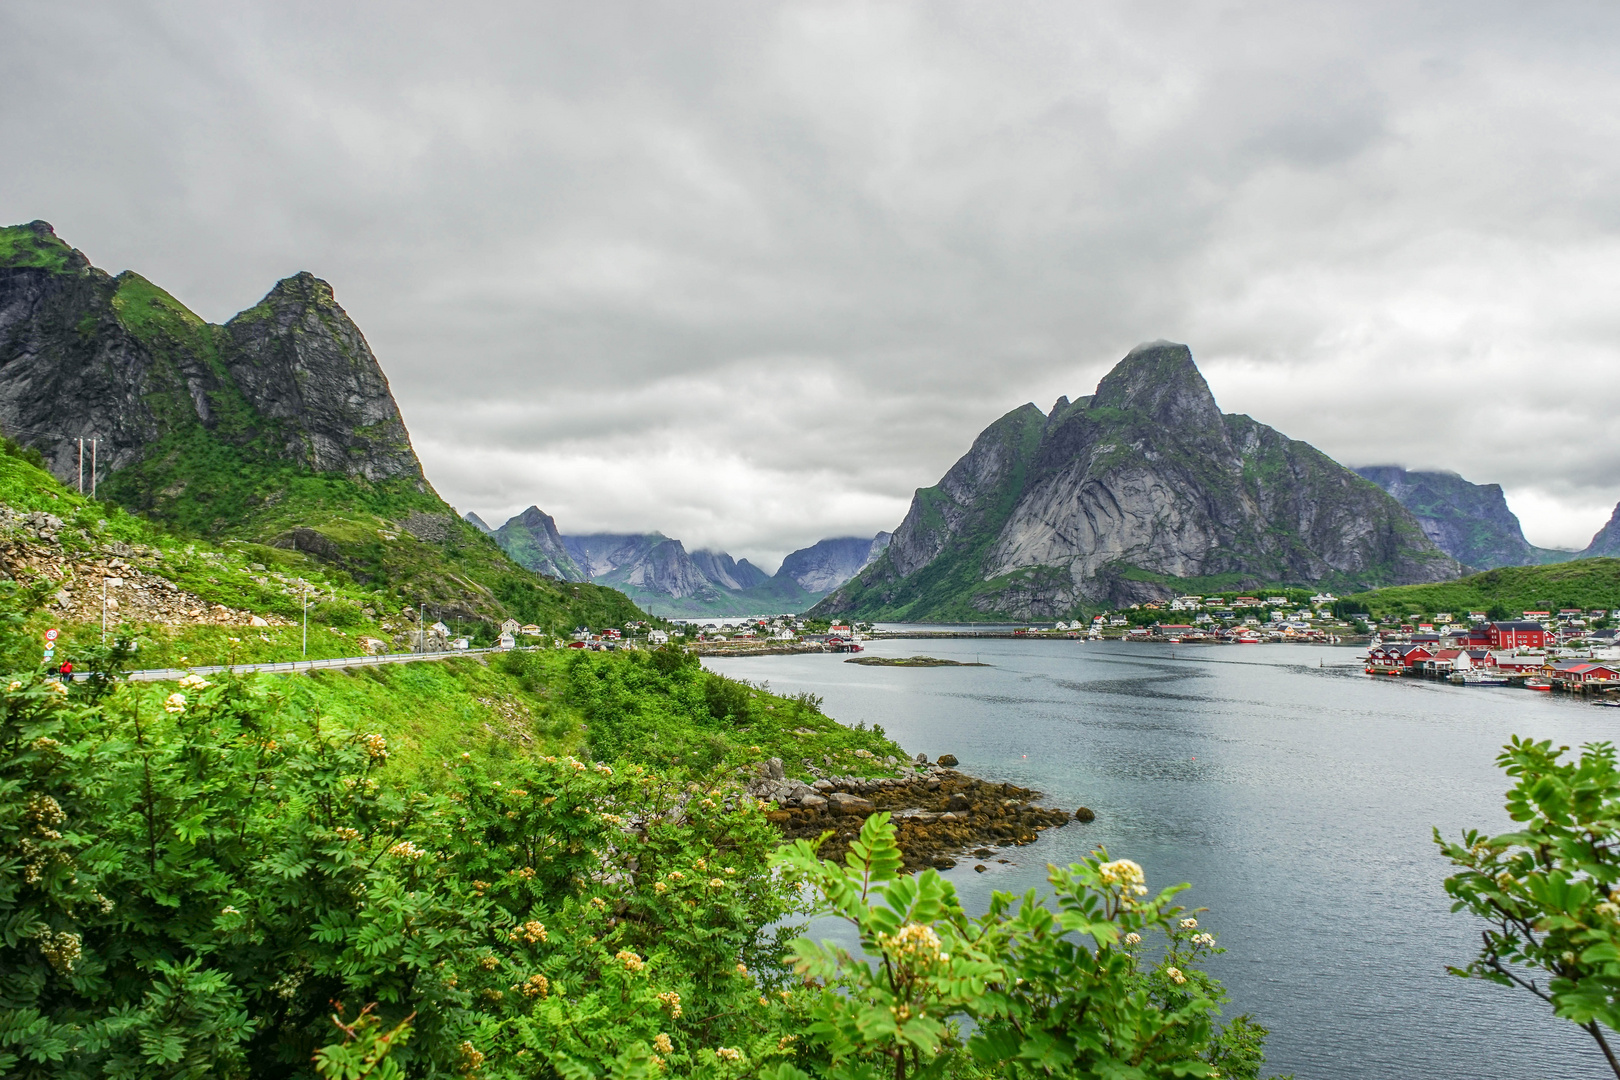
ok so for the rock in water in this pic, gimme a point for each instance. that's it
(948, 760)
(1110, 498)
(1085, 813)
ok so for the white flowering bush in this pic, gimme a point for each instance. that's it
(1052, 991)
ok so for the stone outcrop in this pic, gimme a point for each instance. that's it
(1115, 497)
(85, 354)
(938, 812)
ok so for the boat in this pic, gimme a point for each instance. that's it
(1248, 637)
(1478, 678)
(1537, 684)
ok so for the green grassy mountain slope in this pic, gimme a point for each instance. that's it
(277, 428)
(1510, 590)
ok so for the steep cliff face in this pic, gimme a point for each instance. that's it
(532, 540)
(827, 564)
(726, 572)
(1137, 491)
(1607, 540)
(304, 367)
(1469, 522)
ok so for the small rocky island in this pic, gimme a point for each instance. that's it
(911, 661)
(937, 811)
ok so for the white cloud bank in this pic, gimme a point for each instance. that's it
(750, 273)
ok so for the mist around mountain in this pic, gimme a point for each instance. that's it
(277, 428)
(1140, 491)
(1470, 522)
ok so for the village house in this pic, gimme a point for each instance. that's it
(1518, 634)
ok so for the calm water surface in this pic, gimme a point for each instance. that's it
(1294, 792)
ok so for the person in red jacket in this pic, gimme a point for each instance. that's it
(66, 671)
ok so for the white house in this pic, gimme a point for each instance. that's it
(508, 640)
(657, 637)
(510, 628)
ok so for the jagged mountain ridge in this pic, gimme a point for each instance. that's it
(1470, 522)
(277, 427)
(661, 576)
(1132, 493)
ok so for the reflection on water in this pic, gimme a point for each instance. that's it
(1295, 793)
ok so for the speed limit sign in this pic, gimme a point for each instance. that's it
(50, 635)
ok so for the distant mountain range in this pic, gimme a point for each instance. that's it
(1469, 522)
(1137, 492)
(662, 577)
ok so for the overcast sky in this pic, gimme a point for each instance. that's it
(748, 274)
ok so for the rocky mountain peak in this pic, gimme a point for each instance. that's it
(300, 359)
(1160, 381)
(37, 245)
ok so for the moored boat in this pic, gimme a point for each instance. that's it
(1537, 684)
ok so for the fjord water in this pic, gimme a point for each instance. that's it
(1297, 795)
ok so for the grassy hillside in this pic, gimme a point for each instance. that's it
(274, 581)
(1583, 583)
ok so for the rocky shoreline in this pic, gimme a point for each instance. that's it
(940, 814)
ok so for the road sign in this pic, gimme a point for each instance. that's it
(50, 635)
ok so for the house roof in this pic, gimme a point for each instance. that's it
(1517, 624)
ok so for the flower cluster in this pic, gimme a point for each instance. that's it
(1189, 924)
(913, 943)
(530, 932)
(343, 832)
(726, 1053)
(174, 703)
(534, 986)
(62, 950)
(1124, 875)
(1208, 940)
(194, 681)
(406, 850)
(662, 1044)
(670, 1000)
(376, 746)
(1175, 975)
(632, 963)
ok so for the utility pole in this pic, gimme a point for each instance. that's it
(81, 480)
(306, 620)
(421, 639)
(93, 467)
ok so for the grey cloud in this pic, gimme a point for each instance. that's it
(749, 273)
